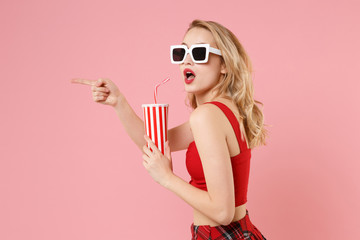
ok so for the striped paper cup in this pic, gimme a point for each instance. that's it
(156, 122)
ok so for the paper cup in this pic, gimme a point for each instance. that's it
(156, 122)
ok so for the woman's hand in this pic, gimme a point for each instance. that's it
(158, 165)
(103, 90)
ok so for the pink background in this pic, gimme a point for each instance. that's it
(69, 171)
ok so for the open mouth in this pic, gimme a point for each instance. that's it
(189, 74)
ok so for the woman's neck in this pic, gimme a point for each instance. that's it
(206, 97)
(209, 97)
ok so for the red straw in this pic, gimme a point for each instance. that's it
(155, 93)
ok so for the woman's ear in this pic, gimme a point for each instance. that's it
(223, 69)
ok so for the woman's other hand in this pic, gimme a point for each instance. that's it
(103, 90)
(158, 165)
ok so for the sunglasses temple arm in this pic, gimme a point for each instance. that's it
(215, 51)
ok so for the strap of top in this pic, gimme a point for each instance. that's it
(234, 123)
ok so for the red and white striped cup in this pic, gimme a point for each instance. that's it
(156, 122)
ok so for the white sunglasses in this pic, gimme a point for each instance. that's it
(199, 53)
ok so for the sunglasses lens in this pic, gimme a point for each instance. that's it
(178, 54)
(199, 53)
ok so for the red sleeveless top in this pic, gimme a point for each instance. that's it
(240, 163)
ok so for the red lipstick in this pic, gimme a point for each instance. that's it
(189, 75)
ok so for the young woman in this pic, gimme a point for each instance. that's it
(223, 128)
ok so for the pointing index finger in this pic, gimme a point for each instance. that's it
(84, 81)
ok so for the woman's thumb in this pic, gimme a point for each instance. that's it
(99, 82)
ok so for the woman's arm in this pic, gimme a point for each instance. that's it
(106, 92)
(132, 123)
(180, 137)
(218, 203)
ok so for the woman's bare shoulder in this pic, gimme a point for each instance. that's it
(206, 115)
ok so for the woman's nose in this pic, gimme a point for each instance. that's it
(188, 60)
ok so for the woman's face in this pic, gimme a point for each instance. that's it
(206, 74)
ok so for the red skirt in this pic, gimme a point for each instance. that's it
(242, 229)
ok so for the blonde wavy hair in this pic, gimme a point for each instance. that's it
(236, 84)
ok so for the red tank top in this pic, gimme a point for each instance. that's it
(240, 163)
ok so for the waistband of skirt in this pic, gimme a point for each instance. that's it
(244, 220)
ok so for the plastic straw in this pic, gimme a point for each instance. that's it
(155, 93)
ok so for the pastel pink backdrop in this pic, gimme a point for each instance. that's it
(69, 171)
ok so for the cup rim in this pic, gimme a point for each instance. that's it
(155, 105)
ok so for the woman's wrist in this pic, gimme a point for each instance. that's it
(120, 100)
(169, 179)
